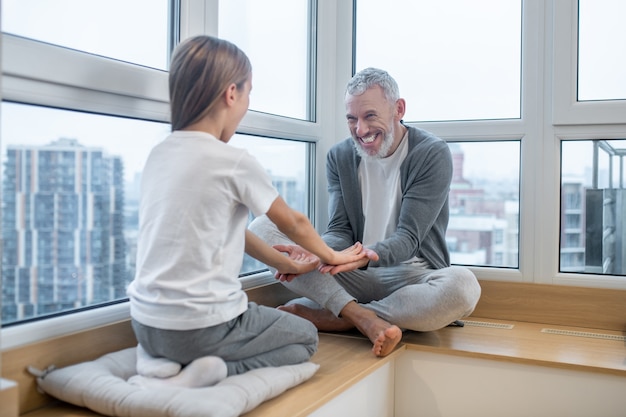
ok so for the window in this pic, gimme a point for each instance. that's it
(593, 195)
(79, 116)
(544, 96)
(107, 28)
(279, 47)
(71, 200)
(70, 195)
(532, 121)
(290, 177)
(484, 204)
(455, 69)
(601, 52)
(453, 60)
(589, 86)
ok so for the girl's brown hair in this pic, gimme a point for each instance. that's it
(202, 68)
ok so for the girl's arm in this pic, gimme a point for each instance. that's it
(285, 265)
(299, 229)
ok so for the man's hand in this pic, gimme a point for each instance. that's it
(303, 261)
(368, 255)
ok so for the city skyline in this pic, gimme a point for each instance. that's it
(63, 229)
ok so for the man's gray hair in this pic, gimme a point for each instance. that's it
(370, 77)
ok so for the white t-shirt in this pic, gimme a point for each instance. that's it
(196, 193)
(381, 193)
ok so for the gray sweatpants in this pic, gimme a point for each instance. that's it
(259, 337)
(411, 296)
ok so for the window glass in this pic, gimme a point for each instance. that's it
(134, 31)
(484, 204)
(601, 52)
(275, 36)
(289, 176)
(453, 60)
(593, 203)
(70, 189)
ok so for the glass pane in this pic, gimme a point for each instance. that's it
(601, 52)
(275, 36)
(290, 175)
(484, 204)
(134, 31)
(70, 191)
(453, 60)
(593, 203)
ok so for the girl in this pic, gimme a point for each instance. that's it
(187, 303)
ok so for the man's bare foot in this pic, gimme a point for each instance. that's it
(385, 336)
(387, 340)
(323, 319)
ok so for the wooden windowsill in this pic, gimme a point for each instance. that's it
(345, 359)
(575, 348)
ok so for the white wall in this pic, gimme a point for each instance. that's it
(371, 397)
(436, 385)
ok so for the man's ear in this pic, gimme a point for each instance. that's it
(400, 108)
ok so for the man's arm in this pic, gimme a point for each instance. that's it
(340, 232)
(424, 211)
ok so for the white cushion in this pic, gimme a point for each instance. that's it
(101, 385)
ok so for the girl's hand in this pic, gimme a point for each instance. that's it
(302, 261)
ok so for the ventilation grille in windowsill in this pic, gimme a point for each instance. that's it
(488, 324)
(585, 334)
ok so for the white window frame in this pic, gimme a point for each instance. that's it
(48, 75)
(525, 130)
(567, 110)
(549, 115)
(567, 119)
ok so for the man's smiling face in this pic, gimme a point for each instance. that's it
(371, 122)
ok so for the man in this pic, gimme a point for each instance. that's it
(388, 188)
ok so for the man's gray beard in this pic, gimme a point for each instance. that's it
(382, 151)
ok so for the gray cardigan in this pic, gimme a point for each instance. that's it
(425, 177)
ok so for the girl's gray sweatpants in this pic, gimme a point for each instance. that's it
(259, 337)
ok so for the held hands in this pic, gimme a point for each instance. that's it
(365, 255)
(348, 259)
